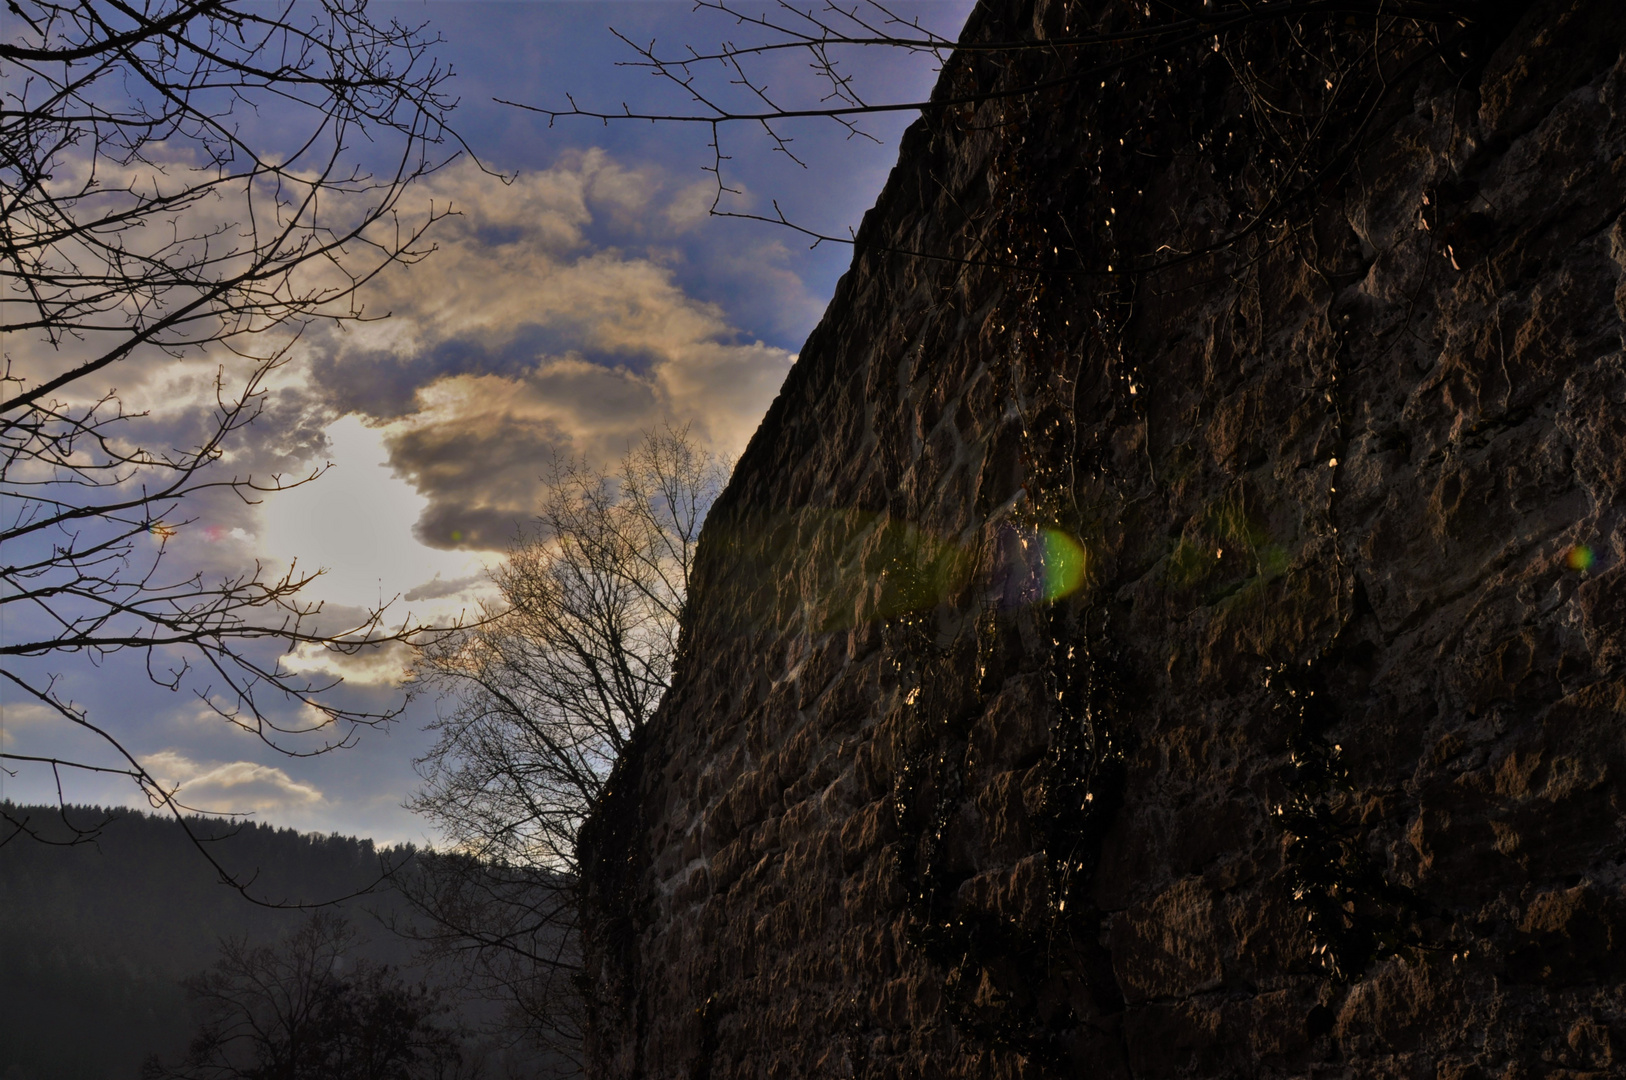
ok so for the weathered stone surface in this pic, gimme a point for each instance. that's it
(1308, 757)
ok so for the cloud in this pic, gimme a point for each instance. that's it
(25, 717)
(478, 444)
(557, 317)
(19, 715)
(385, 665)
(522, 338)
(232, 787)
(437, 589)
(691, 205)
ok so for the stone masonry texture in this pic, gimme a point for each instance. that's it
(1172, 622)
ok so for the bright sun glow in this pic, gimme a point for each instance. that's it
(356, 523)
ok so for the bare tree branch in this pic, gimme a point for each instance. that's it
(147, 210)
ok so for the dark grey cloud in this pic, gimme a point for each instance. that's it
(383, 385)
(437, 588)
(481, 480)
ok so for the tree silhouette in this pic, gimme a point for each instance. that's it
(305, 1010)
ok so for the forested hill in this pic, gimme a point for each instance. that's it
(95, 937)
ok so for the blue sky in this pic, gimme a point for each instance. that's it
(577, 299)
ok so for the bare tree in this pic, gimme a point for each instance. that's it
(544, 695)
(306, 1009)
(186, 179)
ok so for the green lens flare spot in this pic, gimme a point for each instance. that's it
(1066, 564)
(1580, 558)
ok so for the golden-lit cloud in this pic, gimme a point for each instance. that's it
(230, 787)
(553, 319)
(387, 665)
(520, 339)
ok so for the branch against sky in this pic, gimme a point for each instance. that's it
(731, 85)
(188, 180)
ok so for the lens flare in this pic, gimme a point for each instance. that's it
(1580, 558)
(1038, 566)
(1065, 563)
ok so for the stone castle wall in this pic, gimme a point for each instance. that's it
(1212, 669)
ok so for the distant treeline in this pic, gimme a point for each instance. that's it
(95, 937)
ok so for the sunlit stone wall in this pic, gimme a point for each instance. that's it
(1212, 671)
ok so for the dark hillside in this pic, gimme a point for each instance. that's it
(96, 937)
